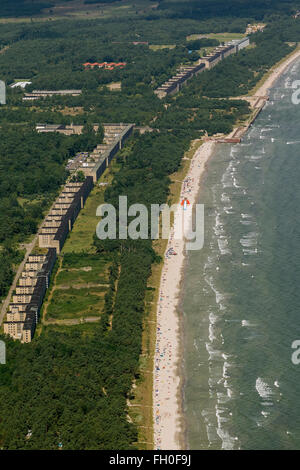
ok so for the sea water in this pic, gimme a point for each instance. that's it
(241, 292)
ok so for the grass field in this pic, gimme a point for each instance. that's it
(85, 329)
(157, 47)
(76, 303)
(81, 237)
(79, 288)
(89, 273)
(222, 37)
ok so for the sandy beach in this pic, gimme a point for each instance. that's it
(263, 90)
(166, 384)
(167, 403)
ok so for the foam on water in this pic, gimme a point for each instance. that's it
(263, 389)
(248, 323)
(223, 245)
(225, 198)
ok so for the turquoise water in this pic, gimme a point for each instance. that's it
(241, 302)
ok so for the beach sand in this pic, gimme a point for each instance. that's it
(167, 401)
(166, 384)
(269, 82)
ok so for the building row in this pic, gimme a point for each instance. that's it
(96, 162)
(24, 310)
(174, 84)
(38, 94)
(61, 218)
(66, 129)
(184, 74)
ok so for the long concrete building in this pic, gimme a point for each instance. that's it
(95, 163)
(114, 137)
(66, 129)
(174, 84)
(24, 309)
(60, 220)
(60, 128)
(183, 74)
(38, 94)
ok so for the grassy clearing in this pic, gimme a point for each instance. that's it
(69, 277)
(79, 288)
(76, 303)
(222, 37)
(81, 237)
(85, 329)
(141, 409)
(77, 261)
(81, 281)
(70, 111)
(114, 86)
(157, 47)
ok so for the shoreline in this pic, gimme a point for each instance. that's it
(168, 382)
(276, 73)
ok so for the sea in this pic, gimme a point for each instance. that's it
(241, 292)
